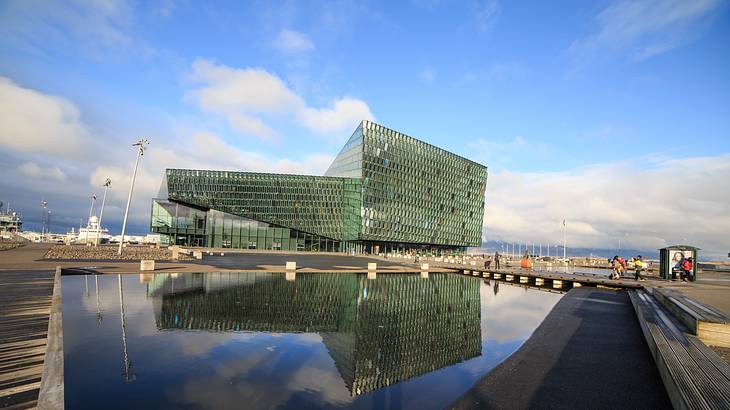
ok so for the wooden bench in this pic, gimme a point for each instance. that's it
(706, 322)
(694, 375)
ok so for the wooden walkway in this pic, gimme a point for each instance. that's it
(25, 306)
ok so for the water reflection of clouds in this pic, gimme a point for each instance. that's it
(231, 369)
(514, 312)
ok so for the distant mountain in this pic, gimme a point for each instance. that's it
(506, 248)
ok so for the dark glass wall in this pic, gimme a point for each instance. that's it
(323, 206)
(413, 192)
(179, 224)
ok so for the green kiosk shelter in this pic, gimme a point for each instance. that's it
(670, 260)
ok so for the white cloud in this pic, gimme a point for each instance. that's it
(486, 13)
(94, 26)
(33, 122)
(290, 41)
(250, 97)
(646, 205)
(427, 75)
(34, 170)
(642, 29)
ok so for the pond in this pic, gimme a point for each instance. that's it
(258, 340)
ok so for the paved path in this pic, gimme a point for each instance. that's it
(25, 305)
(30, 257)
(588, 353)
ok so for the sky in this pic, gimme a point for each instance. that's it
(612, 115)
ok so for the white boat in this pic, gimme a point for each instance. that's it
(89, 234)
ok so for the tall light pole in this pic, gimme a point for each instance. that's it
(564, 242)
(44, 224)
(91, 211)
(107, 184)
(140, 151)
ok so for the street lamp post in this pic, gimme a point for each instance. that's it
(107, 184)
(140, 151)
(91, 211)
(44, 224)
(564, 243)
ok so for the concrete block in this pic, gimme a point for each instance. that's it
(467, 272)
(510, 277)
(198, 254)
(146, 264)
(174, 275)
(424, 275)
(145, 277)
(474, 263)
(557, 284)
(424, 266)
(290, 275)
(497, 276)
(223, 254)
(577, 284)
(524, 279)
(372, 275)
(372, 266)
(291, 266)
(539, 281)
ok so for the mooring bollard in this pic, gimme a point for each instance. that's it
(290, 275)
(291, 266)
(424, 266)
(146, 264)
(372, 266)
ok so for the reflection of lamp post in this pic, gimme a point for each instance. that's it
(98, 309)
(127, 375)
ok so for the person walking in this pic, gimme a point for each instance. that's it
(497, 256)
(639, 265)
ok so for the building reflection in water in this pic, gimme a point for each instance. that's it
(379, 332)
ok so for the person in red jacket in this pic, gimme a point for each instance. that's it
(687, 266)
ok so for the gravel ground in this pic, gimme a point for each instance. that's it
(81, 252)
(4, 246)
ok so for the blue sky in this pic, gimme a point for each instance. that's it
(557, 99)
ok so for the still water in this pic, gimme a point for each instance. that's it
(257, 340)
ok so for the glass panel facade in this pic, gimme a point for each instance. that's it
(384, 190)
(318, 205)
(413, 192)
(179, 224)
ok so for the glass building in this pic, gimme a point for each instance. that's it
(385, 191)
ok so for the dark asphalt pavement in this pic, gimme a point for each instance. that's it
(589, 353)
(250, 261)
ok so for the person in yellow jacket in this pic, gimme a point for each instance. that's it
(639, 265)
